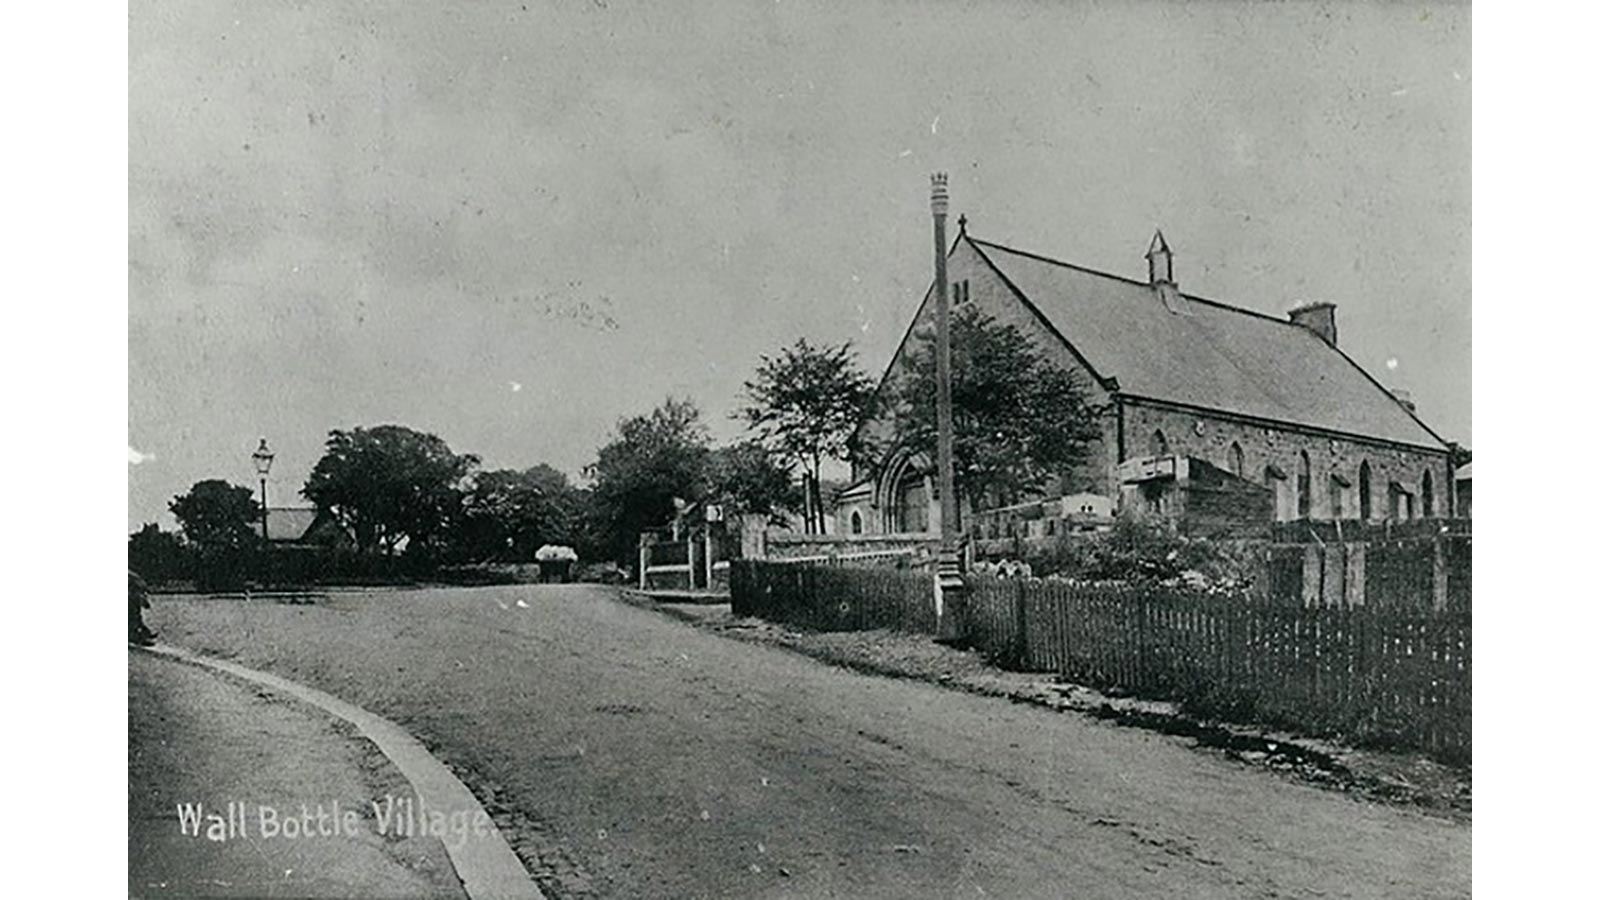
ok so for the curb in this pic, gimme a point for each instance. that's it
(488, 868)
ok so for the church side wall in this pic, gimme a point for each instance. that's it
(1281, 447)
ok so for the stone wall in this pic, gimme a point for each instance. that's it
(1281, 447)
(854, 549)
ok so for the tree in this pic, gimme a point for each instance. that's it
(652, 460)
(217, 516)
(804, 404)
(1020, 420)
(157, 555)
(511, 512)
(749, 479)
(389, 484)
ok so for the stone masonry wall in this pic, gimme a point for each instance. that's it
(1282, 447)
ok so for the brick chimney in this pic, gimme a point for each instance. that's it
(1319, 318)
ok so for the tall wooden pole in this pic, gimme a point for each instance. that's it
(948, 596)
(949, 526)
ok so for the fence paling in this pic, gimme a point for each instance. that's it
(1398, 672)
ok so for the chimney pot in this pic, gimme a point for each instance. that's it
(1318, 317)
(941, 194)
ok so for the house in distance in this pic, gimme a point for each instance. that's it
(1215, 416)
(302, 527)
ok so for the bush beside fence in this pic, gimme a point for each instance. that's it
(1397, 676)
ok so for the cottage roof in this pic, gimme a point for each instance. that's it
(288, 523)
(1215, 356)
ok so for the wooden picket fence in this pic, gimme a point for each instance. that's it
(1397, 676)
(1388, 675)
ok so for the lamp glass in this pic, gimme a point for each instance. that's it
(263, 458)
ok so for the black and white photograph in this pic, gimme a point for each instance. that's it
(775, 448)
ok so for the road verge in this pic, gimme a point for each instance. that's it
(486, 864)
(1401, 779)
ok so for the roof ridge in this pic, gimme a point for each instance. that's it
(1125, 279)
(1059, 262)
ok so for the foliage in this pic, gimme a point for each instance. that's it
(389, 484)
(507, 513)
(749, 479)
(804, 404)
(1151, 551)
(652, 460)
(1020, 421)
(157, 555)
(217, 516)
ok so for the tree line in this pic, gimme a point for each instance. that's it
(1020, 421)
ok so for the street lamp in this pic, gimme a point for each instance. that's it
(263, 460)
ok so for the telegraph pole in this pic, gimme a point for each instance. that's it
(949, 511)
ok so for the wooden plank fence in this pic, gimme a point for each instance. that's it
(1397, 675)
(834, 598)
(1400, 675)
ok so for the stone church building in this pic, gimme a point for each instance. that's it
(1211, 415)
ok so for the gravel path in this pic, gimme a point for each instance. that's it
(627, 754)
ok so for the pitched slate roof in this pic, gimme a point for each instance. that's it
(288, 523)
(1210, 355)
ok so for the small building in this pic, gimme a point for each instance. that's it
(1211, 414)
(303, 526)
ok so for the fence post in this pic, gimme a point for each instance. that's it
(1333, 571)
(644, 561)
(710, 557)
(1441, 576)
(1311, 576)
(1143, 600)
(1355, 574)
(1020, 648)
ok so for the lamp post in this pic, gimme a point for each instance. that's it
(263, 460)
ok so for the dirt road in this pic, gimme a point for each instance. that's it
(627, 754)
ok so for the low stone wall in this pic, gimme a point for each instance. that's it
(857, 549)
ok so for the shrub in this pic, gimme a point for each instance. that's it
(1149, 552)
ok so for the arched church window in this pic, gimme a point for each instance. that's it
(1158, 443)
(1303, 486)
(1364, 490)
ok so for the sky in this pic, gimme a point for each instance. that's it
(512, 224)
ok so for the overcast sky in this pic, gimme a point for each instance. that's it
(511, 224)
